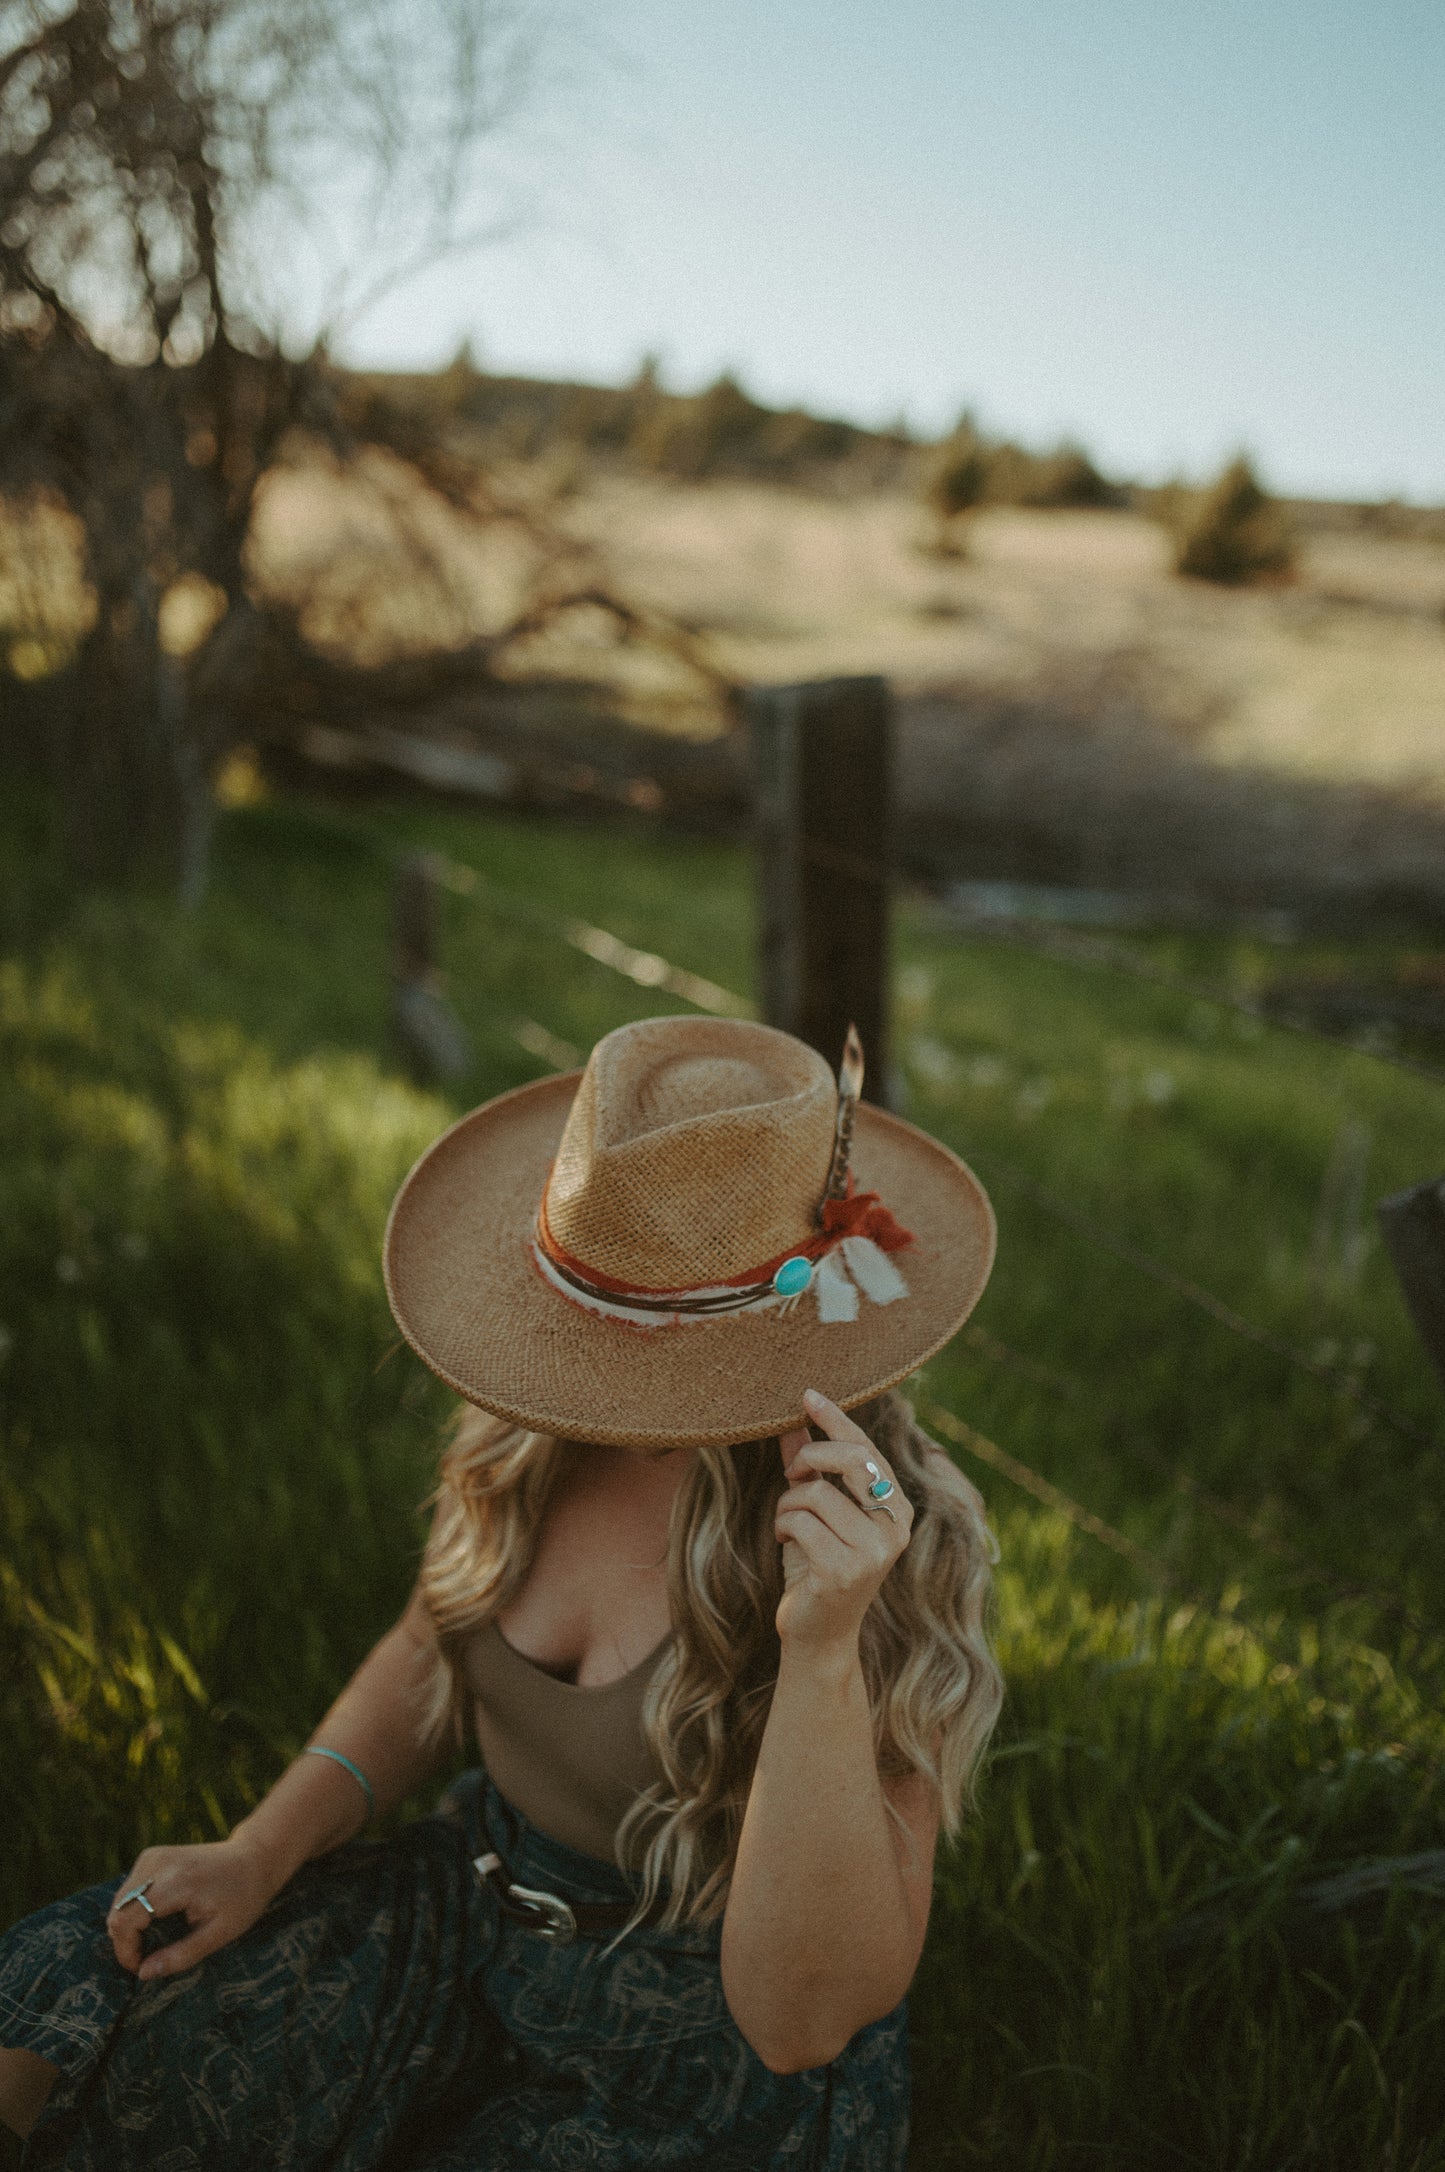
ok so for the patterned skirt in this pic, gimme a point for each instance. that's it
(385, 2015)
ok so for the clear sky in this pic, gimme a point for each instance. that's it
(1168, 228)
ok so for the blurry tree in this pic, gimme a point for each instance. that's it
(1232, 532)
(966, 470)
(955, 483)
(1064, 477)
(695, 437)
(171, 172)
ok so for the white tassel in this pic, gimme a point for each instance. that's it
(873, 1271)
(837, 1298)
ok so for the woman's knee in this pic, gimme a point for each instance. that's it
(26, 2080)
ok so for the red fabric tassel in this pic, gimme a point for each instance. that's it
(860, 1214)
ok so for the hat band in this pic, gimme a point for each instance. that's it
(848, 1254)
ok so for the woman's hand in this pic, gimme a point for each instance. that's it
(220, 1886)
(837, 1546)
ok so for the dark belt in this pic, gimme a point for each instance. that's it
(547, 1914)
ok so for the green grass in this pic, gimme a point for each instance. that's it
(212, 1456)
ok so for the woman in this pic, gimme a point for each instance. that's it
(728, 1679)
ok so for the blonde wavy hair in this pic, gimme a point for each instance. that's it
(933, 1685)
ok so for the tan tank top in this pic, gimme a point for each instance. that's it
(572, 1760)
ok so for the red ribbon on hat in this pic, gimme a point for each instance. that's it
(856, 1214)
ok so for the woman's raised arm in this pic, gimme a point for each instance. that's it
(223, 1886)
(829, 1900)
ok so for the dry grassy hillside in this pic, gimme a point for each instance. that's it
(1071, 711)
(1339, 674)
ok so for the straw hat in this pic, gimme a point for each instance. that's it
(671, 1246)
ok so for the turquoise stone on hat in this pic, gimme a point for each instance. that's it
(793, 1277)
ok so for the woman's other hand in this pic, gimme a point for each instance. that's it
(838, 1545)
(220, 1886)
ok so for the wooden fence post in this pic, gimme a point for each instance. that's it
(823, 798)
(425, 1025)
(1412, 1224)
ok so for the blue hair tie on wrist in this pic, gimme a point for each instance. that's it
(314, 1749)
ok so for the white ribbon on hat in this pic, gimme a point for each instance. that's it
(853, 1264)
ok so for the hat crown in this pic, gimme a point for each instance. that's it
(696, 1151)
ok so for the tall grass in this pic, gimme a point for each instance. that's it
(1190, 1924)
(1138, 1955)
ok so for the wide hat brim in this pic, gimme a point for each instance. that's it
(470, 1300)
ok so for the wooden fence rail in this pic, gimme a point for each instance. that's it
(1412, 1224)
(822, 757)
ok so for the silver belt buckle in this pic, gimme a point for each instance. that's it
(546, 1914)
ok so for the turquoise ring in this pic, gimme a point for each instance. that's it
(882, 1489)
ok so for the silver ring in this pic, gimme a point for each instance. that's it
(880, 1492)
(137, 1893)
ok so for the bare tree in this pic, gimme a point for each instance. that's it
(177, 177)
